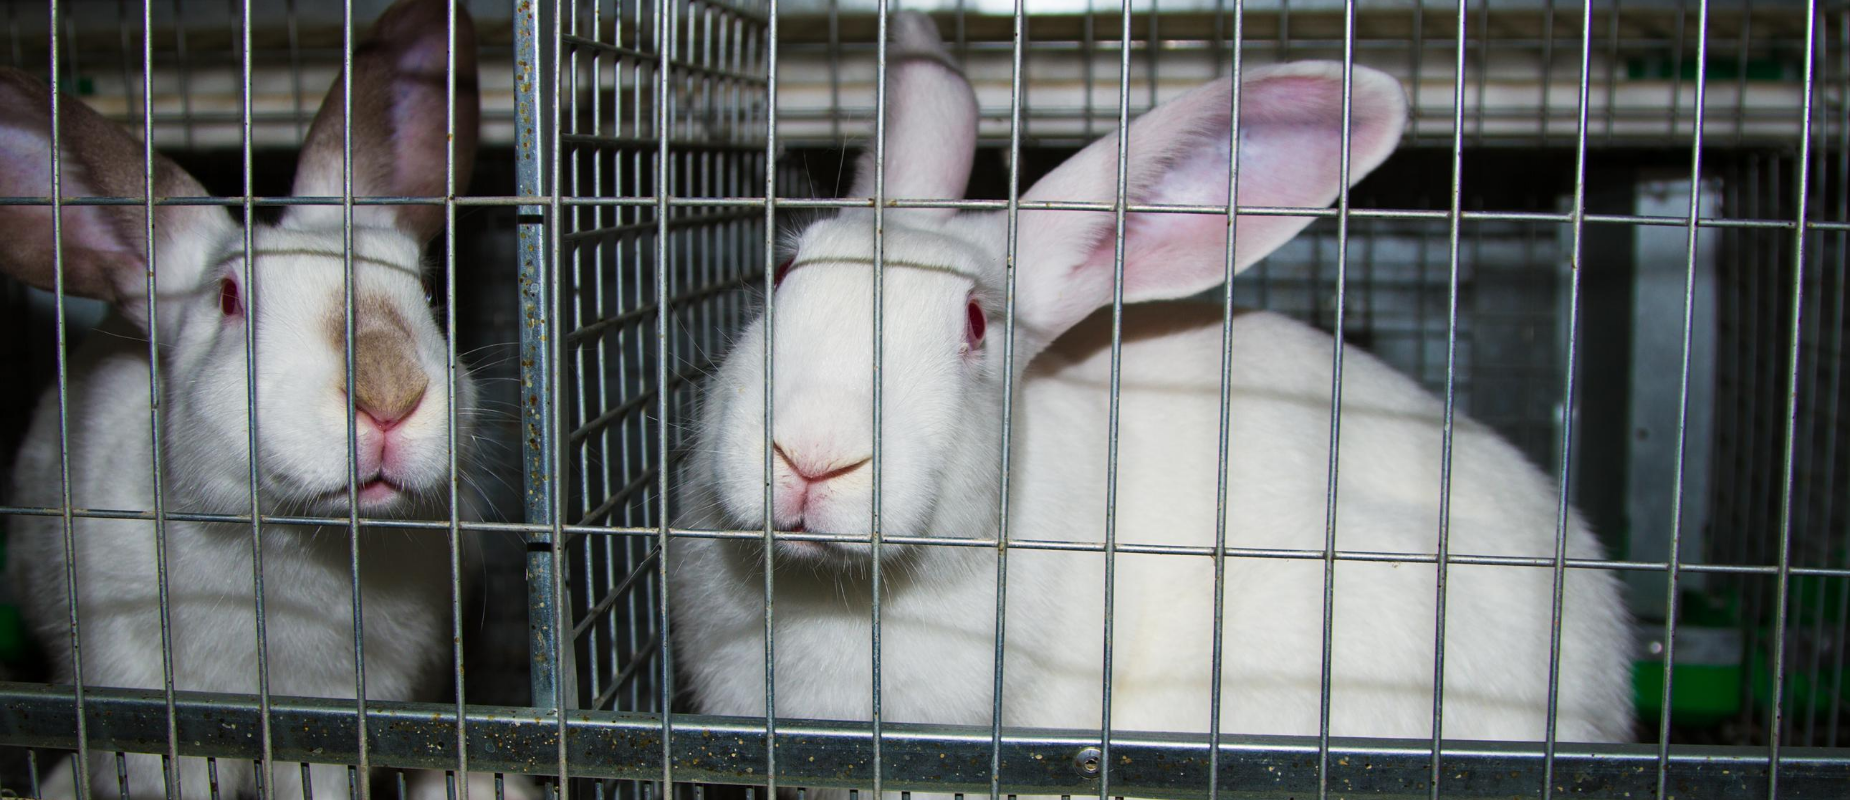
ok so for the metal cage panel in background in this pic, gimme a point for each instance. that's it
(619, 232)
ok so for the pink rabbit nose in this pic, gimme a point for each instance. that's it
(812, 471)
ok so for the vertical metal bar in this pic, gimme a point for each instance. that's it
(880, 100)
(452, 372)
(770, 383)
(1223, 463)
(560, 635)
(264, 770)
(1011, 249)
(80, 769)
(533, 142)
(1121, 194)
(663, 177)
(1454, 227)
(1674, 567)
(1336, 405)
(1562, 519)
(1784, 579)
(356, 778)
(170, 760)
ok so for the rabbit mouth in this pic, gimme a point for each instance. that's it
(373, 493)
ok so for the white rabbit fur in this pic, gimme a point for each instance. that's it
(398, 146)
(940, 461)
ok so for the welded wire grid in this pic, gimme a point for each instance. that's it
(1473, 293)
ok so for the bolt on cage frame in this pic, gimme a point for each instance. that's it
(645, 217)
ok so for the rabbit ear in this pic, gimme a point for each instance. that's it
(930, 120)
(1290, 156)
(398, 123)
(105, 248)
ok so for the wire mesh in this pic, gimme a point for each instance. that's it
(627, 238)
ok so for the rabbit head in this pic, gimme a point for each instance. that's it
(945, 278)
(291, 291)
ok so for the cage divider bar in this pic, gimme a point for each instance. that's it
(1120, 199)
(538, 391)
(1562, 482)
(170, 760)
(1448, 420)
(1675, 558)
(1802, 171)
(1011, 251)
(80, 770)
(1224, 453)
(264, 770)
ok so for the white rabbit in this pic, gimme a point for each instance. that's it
(203, 289)
(941, 401)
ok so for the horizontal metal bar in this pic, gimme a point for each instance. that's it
(757, 535)
(618, 745)
(577, 238)
(970, 205)
(677, 145)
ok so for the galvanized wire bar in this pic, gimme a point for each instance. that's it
(1224, 453)
(1327, 670)
(770, 383)
(1777, 670)
(264, 770)
(55, 178)
(1011, 250)
(1562, 513)
(357, 783)
(879, 355)
(1121, 199)
(1447, 424)
(664, 176)
(452, 375)
(924, 758)
(558, 656)
(1675, 558)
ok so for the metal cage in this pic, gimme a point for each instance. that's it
(1595, 204)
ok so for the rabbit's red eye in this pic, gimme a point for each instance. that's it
(228, 300)
(783, 270)
(977, 323)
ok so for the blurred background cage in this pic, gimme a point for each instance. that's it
(631, 143)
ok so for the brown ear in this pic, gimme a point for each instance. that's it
(399, 142)
(105, 247)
